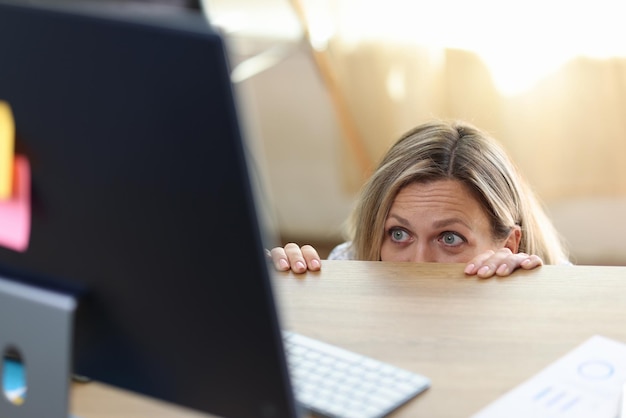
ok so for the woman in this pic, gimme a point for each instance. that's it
(445, 192)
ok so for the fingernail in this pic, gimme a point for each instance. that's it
(300, 266)
(283, 264)
(315, 264)
(526, 262)
(484, 270)
(469, 268)
(503, 269)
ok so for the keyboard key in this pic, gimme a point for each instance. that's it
(338, 383)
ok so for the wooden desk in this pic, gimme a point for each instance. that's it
(476, 339)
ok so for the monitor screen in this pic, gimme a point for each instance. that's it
(141, 204)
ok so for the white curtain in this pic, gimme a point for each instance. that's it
(566, 130)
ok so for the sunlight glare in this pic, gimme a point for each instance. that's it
(520, 43)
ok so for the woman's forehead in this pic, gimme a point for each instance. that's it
(435, 199)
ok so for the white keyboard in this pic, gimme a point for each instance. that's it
(337, 383)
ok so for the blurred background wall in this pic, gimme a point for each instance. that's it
(326, 86)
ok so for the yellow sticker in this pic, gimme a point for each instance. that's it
(7, 149)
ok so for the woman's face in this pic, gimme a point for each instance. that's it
(439, 221)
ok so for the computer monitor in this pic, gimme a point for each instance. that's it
(142, 206)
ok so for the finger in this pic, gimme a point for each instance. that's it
(311, 257)
(508, 262)
(477, 262)
(511, 263)
(487, 270)
(531, 262)
(501, 262)
(295, 258)
(279, 259)
(505, 269)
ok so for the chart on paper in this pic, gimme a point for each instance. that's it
(585, 382)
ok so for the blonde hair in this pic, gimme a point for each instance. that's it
(456, 150)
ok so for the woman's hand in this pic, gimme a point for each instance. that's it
(295, 258)
(502, 262)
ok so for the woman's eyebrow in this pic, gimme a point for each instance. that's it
(444, 223)
(441, 223)
(400, 219)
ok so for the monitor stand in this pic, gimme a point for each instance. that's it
(37, 324)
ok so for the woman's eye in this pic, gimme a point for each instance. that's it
(398, 235)
(452, 239)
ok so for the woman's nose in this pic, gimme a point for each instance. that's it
(423, 254)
